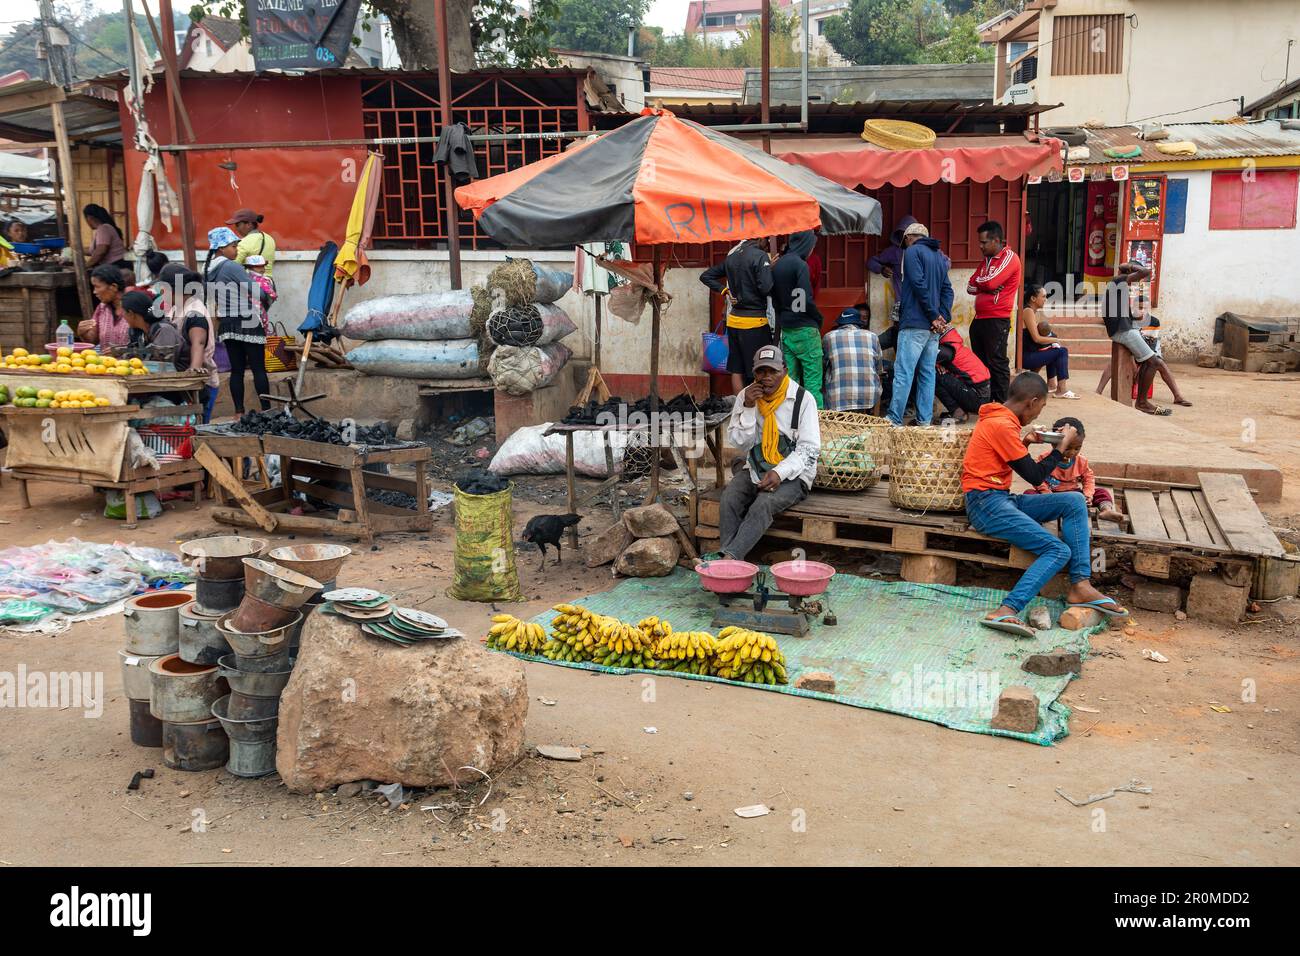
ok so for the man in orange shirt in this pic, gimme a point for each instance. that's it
(997, 450)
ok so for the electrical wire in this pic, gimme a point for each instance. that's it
(1192, 109)
(14, 40)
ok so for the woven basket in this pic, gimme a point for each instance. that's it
(855, 447)
(898, 134)
(925, 467)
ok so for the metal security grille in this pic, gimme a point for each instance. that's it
(411, 212)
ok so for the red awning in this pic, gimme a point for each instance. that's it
(853, 163)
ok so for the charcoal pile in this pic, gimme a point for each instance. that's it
(394, 499)
(616, 409)
(313, 429)
(479, 481)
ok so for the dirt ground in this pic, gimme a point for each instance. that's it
(846, 786)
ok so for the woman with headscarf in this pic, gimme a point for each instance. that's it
(108, 327)
(107, 246)
(236, 301)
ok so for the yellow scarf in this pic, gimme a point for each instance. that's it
(771, 435)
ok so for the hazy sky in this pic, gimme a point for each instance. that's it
(669, 14)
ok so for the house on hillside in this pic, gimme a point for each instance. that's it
(723, 22)
(219, 45)
(1115, 62)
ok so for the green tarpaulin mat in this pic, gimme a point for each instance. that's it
(911, 649)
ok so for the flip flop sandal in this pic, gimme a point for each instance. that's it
(1009, 624)
(1185, 403)
(1068, 395)
(1107, 607)
(1159, 410)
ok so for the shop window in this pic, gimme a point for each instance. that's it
(1088, 45)
(1265, 199)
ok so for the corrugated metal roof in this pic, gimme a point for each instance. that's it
(1213, 141)
(85, 113)
(709, 79)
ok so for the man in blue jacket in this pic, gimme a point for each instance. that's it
(924, 313)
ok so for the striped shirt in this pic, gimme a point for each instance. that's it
(852, 359)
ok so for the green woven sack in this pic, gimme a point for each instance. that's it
(485, 549)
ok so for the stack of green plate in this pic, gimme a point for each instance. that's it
(379, 618)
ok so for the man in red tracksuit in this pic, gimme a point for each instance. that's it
(996, 287)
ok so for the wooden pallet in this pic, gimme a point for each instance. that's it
(867, 520)
(1214, 526)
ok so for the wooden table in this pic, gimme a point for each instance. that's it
(713, 436)
(335, 474)
(88, 446)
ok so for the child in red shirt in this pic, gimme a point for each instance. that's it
(1075, 474)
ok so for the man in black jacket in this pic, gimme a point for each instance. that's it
(745, 275)
(798, 323)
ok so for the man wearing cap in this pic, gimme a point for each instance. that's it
(924, 313)
(774, 422)
(253, 241)
(852, 380)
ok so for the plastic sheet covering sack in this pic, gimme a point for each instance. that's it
(75, 577)
(528, 452)
(519, 371)
(529, 325)
(484, 567)
(423, 316)
(402, 358)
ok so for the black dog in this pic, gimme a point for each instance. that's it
(542, 530)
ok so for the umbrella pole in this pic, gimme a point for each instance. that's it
(654, 376)
(339, 289)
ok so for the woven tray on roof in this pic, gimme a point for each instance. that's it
(925, 467)
(855, 448)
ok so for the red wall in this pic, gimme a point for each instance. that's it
(304, 193)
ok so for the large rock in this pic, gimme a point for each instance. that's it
(649, 558)
(650, 521)
(607, 545)
(1017, 710)
(358, 708)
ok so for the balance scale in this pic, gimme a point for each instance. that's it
(745, 599)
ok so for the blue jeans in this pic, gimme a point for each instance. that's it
(1018, 519)
(1056, 361)
(914, 356)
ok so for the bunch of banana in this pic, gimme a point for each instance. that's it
(573, 633)
(655, 628)
(688, 652)
(623, 645)
(749, 656)
(508, 633)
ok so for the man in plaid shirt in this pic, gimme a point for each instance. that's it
(852, 378)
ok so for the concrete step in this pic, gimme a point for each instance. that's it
(1079, 330)
(1088, 363)
(1086, 346)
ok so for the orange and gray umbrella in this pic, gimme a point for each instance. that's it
(660, 179)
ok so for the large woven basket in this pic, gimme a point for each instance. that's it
(925, 467)
(855, 447)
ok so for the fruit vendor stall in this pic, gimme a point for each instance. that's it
(105, 423)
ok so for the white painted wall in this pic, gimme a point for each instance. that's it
(1206, 273)
(1182, 54)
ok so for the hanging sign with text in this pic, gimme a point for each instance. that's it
(301, 34)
